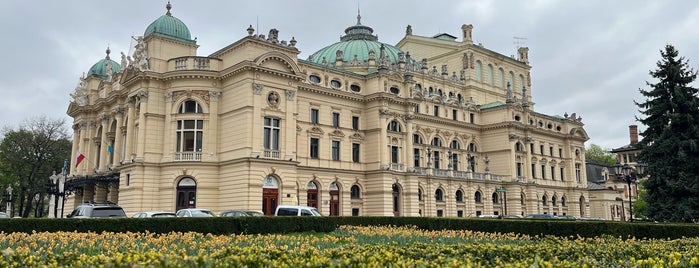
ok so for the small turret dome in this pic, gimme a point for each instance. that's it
(99, 69)
(169, 27)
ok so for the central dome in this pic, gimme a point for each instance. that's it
(169, 27)
(100, 68)
(356, 44)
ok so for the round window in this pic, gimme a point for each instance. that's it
(335, 84)
(314, 79)
(395, 90)
(355, 88)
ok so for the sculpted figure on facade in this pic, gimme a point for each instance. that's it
(108, 71)
(80, 93)
(409, 30)
(124, 61)
(140, 55)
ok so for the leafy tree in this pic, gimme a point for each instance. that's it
(595, 153)
(29, 156)
(670, 146)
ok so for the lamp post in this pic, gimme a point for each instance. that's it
(625, 173)
(503, 191)
(7, 197)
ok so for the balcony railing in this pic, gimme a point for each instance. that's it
(396, 166)
(441, 172)
(271, 154)
(187, 156)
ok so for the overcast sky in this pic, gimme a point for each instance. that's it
(587, 57)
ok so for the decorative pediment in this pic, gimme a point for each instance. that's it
(315, 130)
(356, 136)
(337, 133)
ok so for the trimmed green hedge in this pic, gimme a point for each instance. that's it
(260, 225)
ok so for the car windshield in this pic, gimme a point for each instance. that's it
(202, 213)
(163, 215)
(107, 212)
(315, 212)
(255, 213)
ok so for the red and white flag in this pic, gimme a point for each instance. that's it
(78, 158)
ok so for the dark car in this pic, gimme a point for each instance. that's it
(95, 210)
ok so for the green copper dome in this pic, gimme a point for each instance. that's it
(356, 45)
(169, 27)
(99, 69)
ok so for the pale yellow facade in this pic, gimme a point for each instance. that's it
(252, 126)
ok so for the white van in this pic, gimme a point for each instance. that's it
(286, 210)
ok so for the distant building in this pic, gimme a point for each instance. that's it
(431, 126)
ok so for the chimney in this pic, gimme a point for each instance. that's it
(633, 134)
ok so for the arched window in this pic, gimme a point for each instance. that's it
(522, 198)
(544, 200)
(417, 139)
(436, 142)
(495, 198)
(511, 80)
(394, 126)
(501, 78)
(472, 147)
(439, 195)
(190, 107)
(521, 82)
(519, 147)
(563, 201)
(419, 194)
(490, 74)
(479, 71)
(459, 196)
(355, 192)
(477, 197)
(455, 145)
(553, 201)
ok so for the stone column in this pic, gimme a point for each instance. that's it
(142, 124)
(119, 116)
(103, 144)
(128, 146)
(76, 145)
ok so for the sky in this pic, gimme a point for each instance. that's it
(587, 57)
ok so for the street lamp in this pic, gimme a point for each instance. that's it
(7, 197)
(625, 173)
(52, 189)
(503, 191)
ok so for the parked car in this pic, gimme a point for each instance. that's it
(286, 210)
(97, 210)
(241, 213)
(154, 214)
(566, 217)
(540, 216)
(195, 212)
(4, 215)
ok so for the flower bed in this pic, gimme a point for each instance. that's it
(347, 246)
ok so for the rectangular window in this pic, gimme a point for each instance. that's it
(394, 154)
(543, 171)
(531, 148)
(355, 152)
(562, 177)
(551, 151)
(271, 134)
(519, 169)
(455, 162)
(453, 114)
(355, 212)
(472, 118)
(440, 213)
(335, 150)
(577, 172)
(355, 122)
(436, 159)
(189, 135)
(533, 171)
(436, 110)
(553, 173)
(416, 108)
(560, 152)
(336, 119)
(541, 149)
(314, 147)
(314, 116)
(459, 213)
(416, 157)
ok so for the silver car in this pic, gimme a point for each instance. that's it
(195, 212)
(154, 214)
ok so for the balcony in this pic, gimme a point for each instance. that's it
(188, 156)
(395, 166)
(274, 154)
(194, 63)
(441, 172)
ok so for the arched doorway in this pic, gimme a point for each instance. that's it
(270, 195)
(186, 193)
(582, 206)
(334, 199)
(312, 194)
(396, 200)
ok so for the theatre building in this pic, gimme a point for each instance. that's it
(430, 126)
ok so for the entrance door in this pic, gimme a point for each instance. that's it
(186, 194)
(312, 195)
(269, 201)
(334, 199)
(396, 200)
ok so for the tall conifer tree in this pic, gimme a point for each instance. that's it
(670, 145)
